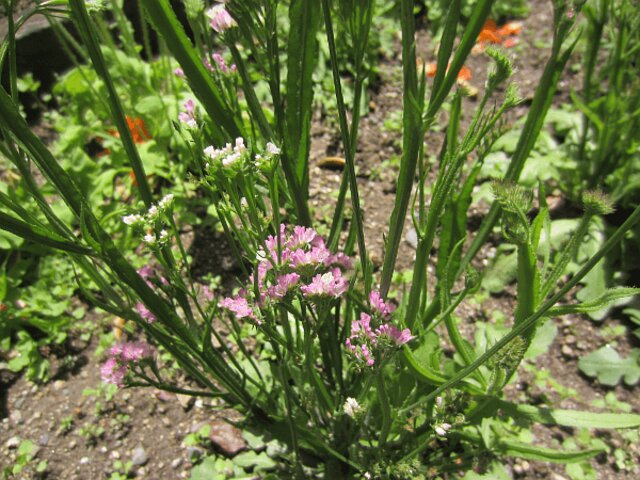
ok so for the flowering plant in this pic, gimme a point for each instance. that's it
(311, 347)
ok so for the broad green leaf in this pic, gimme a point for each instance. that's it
(609, 367)
(544, 336)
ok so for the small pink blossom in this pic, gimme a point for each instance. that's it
(304, 237)
(145, 313)
(221, 20)
(385, 309)
(188, 117)
(179, 73)
(131, 351)
(330, 284)
(302, 260)
(283, 285)
(341, 260)
(121, 356)
(238, 306)
(114, 372)
(391, 331)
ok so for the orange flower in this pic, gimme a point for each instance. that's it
(138, 130)
(430, 70)
(464, 75)
(504, 35)
(510, 42)
(510, 29)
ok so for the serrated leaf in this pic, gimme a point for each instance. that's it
(609, 367)
(611, 296)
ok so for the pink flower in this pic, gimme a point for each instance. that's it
(392, 332)
(221, 20)
(114, 372)
(341, 260)
(330, 284)
(145, 313)
(284, 283)
(147, 272)
(132, 351)
(363, 326)
(304, 261)
(220, 61)
(121, 355)
(179, 73)
(304, 237)
(189, 116)
(239, 307)
(379, 305)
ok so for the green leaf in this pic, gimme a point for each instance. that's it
(532, 452)
(606, 364)
(544, 336)
(570, 418)
(302, 54)
(613, 295)
(254, 460)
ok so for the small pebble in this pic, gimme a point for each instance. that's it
(13, 442)
(115, 454)
(16, 417)
(84, 460)
(44, 440)
(176, 463)
(567, 351)
(139, 456)
(72, 444)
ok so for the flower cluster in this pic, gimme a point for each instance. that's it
(148, 221)
(299, 262)
(506, 35)
(371, 332)
(232, 157)
(121, 356)
(149, 276)
(219, 64)
(188, 117)
(221, 20)
(228, 155)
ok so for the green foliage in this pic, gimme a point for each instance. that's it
(609, 367)
(26, 452)
(286, 361)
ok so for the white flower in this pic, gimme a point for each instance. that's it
(442, 429)
(150, 239)
(231, 159)
(240, 145)
(351, 407)
(163, 235)
(209, 151)
(166, 201)
(153, 211)
(272, 149)
(132, 219)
